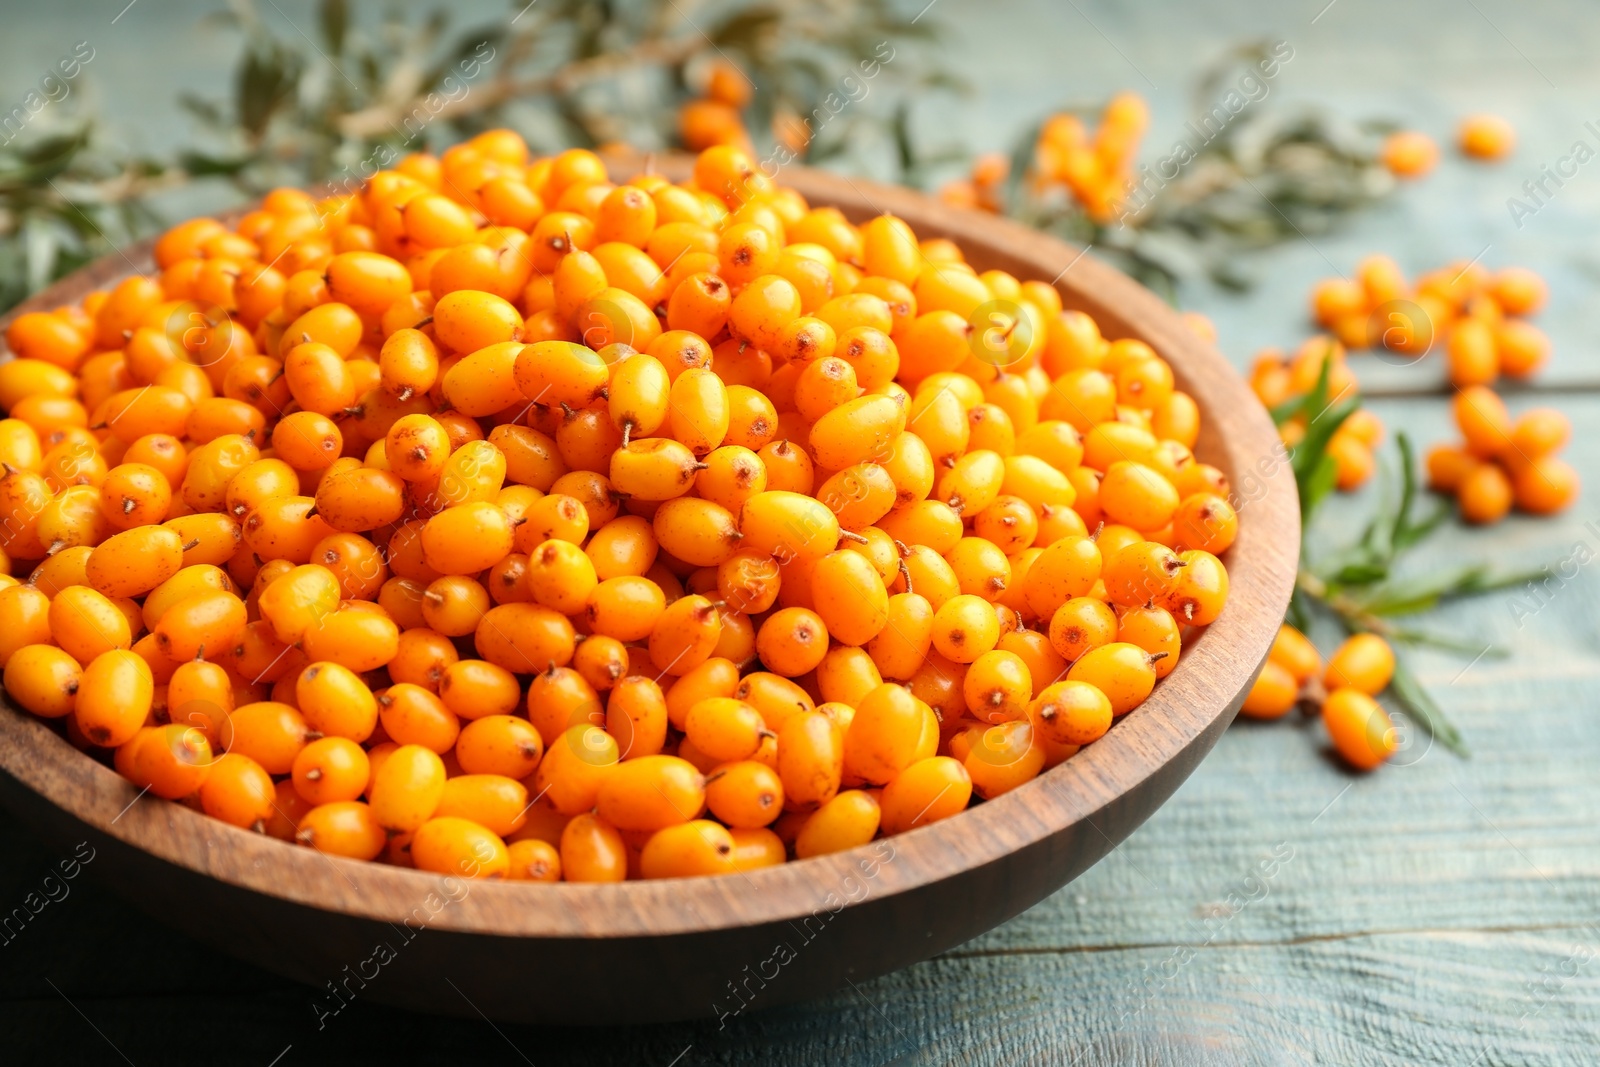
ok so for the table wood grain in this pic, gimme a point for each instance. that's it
(1445, 911)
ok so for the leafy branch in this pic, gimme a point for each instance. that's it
(1356, 586)
(314, 103)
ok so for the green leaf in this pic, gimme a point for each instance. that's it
(334, 16)
(1444, 642)
(1360, 574)
(267, 79)
(200, 164)
(1411, 694)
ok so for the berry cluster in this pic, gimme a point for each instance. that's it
(1476, 318)
(503, 520)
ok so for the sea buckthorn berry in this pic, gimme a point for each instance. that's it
(238, 792)
(1138, 496)
(1537, 433)
(553, 517)
(789, 468)
(653, 468)
(731, 475)
(83, 621)
(1124, 672)
(811, 757)
(1485, 494)
(135, 561)
(525, 638)
(884, 736)
(1154, 630)
(857, 431)
(849, 598)
(1273, 693)
(981, 568)
(1141, 572)
(135, 494)
(925, 792)
(561, 576)
(406, 788)
(72, 522)
(44, 679)
(635, 714)
(1361, 731)
(930, 524)
(359, 636)
(625, 608)
(997, 687)
(1205, 521)
(756, 847)
(214, 619)
(725, 729)
(270, 733)
(651, 793)
(792, 641)
(1483, 420)
(685, 635)
(699, 847)
(456, 846)
(1068, 568)
(592, 851)
(788, 526)
(714, 678)
(1296, 653)
(860, 495)
(1071, 712)
(745, 794)
(466, 539)
(417, 448)
(114, 697)
(336, 702)
(1364, 662)
(902, 645)
(574, 768)
(847, 820)
(1009, 523)
(499, 744)
(1544, 486)
(408, 364)
(330, 770)
(1486, 137)
(494, 802)
(623, 546)
(1200, 591)
(297, 601)
(168, 761)
(1002, 758)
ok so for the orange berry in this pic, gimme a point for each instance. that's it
(1361, 731)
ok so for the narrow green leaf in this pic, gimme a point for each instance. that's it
(334, 15)
(1411, 694)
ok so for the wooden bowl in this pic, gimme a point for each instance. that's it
(706, 947)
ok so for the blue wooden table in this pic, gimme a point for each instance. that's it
(1442, 910)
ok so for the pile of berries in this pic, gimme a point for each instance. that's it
(1096, 169)
(1277, 380)
(1476, 318)
(503, 520)
(1361, 668)
(1501, 461)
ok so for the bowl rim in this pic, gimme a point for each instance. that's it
(1212, 673)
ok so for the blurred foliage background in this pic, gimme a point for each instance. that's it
(826, 82)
